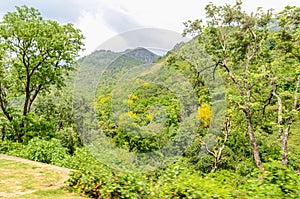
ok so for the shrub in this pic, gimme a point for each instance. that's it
(179, 182)
(10, 147)
(99, 181)
(69, 139)
(277, 181)
(50, 152)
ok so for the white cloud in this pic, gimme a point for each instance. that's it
(94, 29)
(101, 19)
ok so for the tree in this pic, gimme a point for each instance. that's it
(36, 54)
(286, 73)
(234, 41)
(216, 152)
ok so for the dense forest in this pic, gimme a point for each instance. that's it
(216, 117)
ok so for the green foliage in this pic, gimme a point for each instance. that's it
(69, 139)
(96, 180)
(288, 35)
(269, 148)
(36, 55)
(260, 67)
(50, 152)
(294, 149)
(262, 61)
(277, 181)
(35, 127)
(46, 151)
(7, 146)
(179, 182)
(243, 168)
(101, 184)
(151, 113)
(142, 114)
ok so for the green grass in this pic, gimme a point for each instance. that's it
(50, 194)
(24, 180)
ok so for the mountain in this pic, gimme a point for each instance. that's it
(91, 68)
(101, 58)
(142, 54)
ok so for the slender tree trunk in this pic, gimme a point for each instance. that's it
(283, 136)
(214, 169)
(248, 114)
(27, 103)
(256, 154)
(284, 133)
(3, 106)
(3, 133)
(284, 147)
(217, 154)
(20, 140)
(26, 108)
(20, 133)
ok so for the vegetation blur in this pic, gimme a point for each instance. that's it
(229, 101)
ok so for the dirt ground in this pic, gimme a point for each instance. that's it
(21, 178)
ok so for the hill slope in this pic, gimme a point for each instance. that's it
(91, 67)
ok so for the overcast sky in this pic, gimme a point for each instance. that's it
(102, 19)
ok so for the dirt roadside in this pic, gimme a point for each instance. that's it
(56, 168)
(19, 177)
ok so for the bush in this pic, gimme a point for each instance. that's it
(69, 139)
(185, 184)
(96, 180)
(50, 152)
(10, 147)
(245, 167)
(277, 181)
(178, 180)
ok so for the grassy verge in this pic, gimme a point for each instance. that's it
(25, 180)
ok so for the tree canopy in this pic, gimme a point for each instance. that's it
(257, 61)
(36, 55)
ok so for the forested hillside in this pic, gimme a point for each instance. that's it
(216, 117)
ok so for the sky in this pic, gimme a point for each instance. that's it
(101, 20)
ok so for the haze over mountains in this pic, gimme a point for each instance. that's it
(91, 67)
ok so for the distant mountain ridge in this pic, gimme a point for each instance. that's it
(103, 56)
(91, 67)
(142, 54)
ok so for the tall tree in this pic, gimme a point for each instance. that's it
(36, 54)
(286, 66)
(234, 41)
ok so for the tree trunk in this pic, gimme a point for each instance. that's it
(248, 114)
(217, 154)
(19, 137)
(214, 169)
(284, 146)
(283, 141)
(3, 133)
(26, 107)
(256, 154)
(20, 140)
(284, 133)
